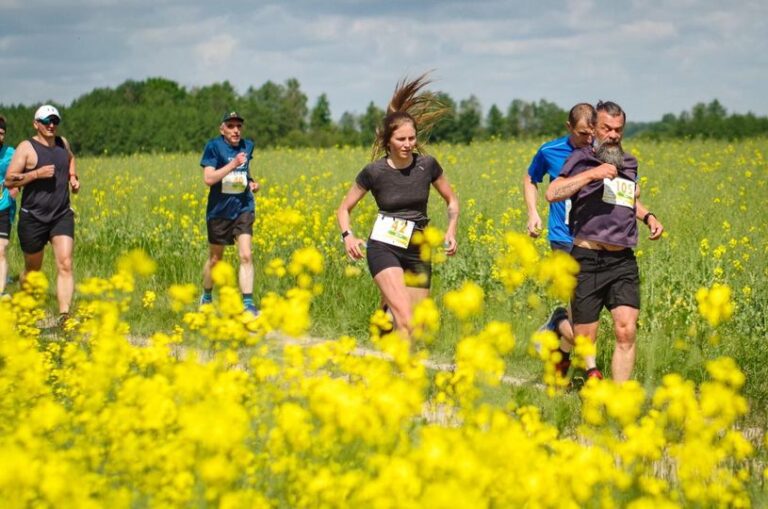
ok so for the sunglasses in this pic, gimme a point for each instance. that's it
(49, 120)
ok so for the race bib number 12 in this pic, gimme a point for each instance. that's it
(619, 191)
(392, 231)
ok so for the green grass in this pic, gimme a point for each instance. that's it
(699, 190)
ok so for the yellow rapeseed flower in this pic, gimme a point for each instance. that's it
(715, 303)
(466, 301)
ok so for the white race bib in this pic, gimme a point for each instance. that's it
(619, 191)
(392, 231)
(235, 182)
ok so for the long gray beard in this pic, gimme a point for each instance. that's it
(611, 153)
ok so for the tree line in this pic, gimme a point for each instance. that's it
(158, 115)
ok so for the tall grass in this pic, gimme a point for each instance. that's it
(710, 196)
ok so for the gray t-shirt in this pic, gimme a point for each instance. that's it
(591, 217)
(401, 193)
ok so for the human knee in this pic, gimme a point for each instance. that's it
(626, 333)
(64, 265)
(246, 258)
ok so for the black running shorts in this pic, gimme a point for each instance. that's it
(223, 232)
(382, 256)
(606, 278)
(34, 234)
(5, 223)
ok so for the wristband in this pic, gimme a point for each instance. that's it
(345, 234)
(648, 215)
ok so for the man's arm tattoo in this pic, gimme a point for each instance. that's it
(18, 178)
(452, 213)
(566, 190)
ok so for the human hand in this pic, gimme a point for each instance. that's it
(534, 225)
(450, 245)
(604, 171)
(254, 186)
(74, 183)
(240, 159)
(45, 172)
(353, 246)
(656, 228)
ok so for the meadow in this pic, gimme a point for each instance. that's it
(312, 427)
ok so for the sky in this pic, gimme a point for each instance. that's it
(652, 56)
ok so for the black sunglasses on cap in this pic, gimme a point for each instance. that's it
(51, 119)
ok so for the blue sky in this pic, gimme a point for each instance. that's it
(652, 57)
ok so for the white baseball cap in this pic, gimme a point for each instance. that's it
(46, 111)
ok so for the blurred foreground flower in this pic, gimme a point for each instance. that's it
(183, 295)
(715, 303)
(466, 301)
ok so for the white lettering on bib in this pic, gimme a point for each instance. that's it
(619, 191)
(234, 183)
(392, 230)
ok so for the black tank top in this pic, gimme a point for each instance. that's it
(48, 199)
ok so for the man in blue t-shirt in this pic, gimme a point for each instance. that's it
(230, 212)
(7, 205)
(549, 160)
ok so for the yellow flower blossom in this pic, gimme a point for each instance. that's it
(466, 301)
(715, 303)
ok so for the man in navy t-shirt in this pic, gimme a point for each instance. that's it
(230, 212)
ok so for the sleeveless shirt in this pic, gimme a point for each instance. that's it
(47, 199)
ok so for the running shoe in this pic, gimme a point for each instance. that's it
(563, 366)
(558, 315)
(594, 373)
(61, 321)
(250, 308)
(206, 299)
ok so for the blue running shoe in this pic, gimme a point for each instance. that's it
(558, 315)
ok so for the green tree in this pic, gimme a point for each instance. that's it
(495, 126)
(348, 131)
(447, 129)
(369, 122)
(320, 116)
(470, 119)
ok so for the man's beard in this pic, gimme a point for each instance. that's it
(611, 153)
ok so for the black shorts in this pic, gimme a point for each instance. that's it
(223, 232)
(34, 234)
(5, 224)
(382, 256)
(606, 278)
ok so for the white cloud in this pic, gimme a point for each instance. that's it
(656, 51)
(217, 50)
